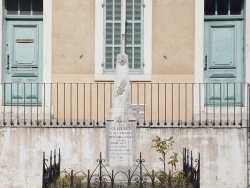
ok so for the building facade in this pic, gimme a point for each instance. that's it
(170, 42)
(188, 60)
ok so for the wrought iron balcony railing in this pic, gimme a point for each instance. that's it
(154, 104)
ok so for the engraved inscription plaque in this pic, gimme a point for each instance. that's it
(121, 144)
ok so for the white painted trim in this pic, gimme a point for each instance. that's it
(47, 41)
(199, 40)
(246, 45)
(132, 77)
(98, 36)
(199, 51)
(247, 40)
(1, 44)
(99, 75)
(47, 48)
(148, 10)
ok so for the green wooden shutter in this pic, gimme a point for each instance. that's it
(134, 35)
(112, 30)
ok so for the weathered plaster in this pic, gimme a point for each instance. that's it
(223, 152)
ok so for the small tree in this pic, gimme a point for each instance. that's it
(163, 146)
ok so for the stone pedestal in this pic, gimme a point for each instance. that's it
(121, 141)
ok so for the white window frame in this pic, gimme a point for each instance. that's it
(147, 47)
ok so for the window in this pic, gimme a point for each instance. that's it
(223, 7)
(134, 34)
(24, 7)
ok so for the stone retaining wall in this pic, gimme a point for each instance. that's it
(223, 152)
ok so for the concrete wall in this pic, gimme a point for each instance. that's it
(223, 152)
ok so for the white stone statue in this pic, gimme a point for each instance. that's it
(121, 121)
(121, 94)
(121, 100)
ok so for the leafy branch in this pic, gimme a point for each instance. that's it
(163, 146)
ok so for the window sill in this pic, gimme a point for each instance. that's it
(132, 77)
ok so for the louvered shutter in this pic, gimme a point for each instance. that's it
(134, 36)
(112, 33)
(112, 30)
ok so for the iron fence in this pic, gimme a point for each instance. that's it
(140, 176)
(192, 172)
(51, 171)
(153, 104)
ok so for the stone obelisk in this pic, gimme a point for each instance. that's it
(121, 121)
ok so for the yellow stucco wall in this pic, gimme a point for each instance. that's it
(173, 36)
(73, 26)
(74, 41)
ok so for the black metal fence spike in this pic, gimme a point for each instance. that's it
(129, 178)
(44, 171)
(72, 179)
(50, 159)
(88, 179)
(169, 179)
(112, 179)
(153, 179)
